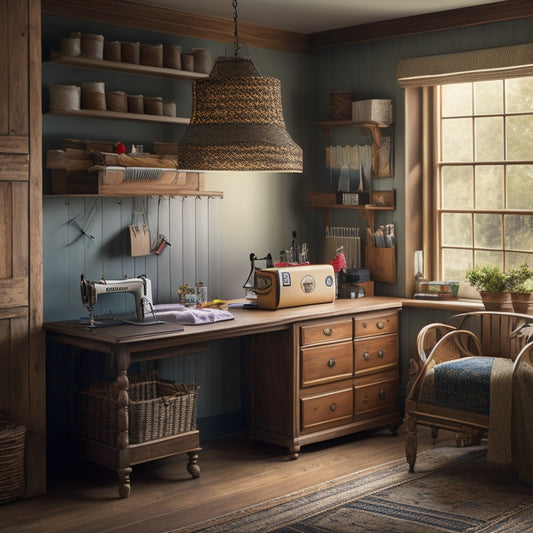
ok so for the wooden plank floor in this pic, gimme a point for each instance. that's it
(84, 498)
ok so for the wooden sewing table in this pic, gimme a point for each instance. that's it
(126, 344)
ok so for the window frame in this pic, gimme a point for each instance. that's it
(419, 77)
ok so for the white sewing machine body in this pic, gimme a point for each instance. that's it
(140, 287)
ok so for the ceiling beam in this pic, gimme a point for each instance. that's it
(133, 15)
(216, 29)
(443, 20)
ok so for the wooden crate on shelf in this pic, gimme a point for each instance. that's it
(111, 181)
(82, 170)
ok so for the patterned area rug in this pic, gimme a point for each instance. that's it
(452, 490)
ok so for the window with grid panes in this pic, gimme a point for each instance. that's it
(484, 172)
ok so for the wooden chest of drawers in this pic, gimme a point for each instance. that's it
(325, 378)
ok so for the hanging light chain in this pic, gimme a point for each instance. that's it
(236, 45)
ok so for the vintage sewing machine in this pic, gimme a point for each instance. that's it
(140, 287)
(248, 286)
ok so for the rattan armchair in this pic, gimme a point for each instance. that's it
(452, 383)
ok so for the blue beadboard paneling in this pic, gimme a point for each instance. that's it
(185, 222)
(212, 238)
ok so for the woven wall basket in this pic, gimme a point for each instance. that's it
(340, 105)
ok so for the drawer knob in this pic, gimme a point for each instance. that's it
(380, 324)
(382, 394)
(365, 398)
(331, 363)
(366, 356)
(333, 407)
(381, 354)
(328, 331)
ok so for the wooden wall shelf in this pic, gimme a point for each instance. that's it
(373, 127)
(115, 115)
(120, 66)
(366, 212)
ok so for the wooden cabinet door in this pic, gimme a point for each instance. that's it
(22, 361)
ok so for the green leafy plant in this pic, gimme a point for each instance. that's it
(519, 280)
(488, 278)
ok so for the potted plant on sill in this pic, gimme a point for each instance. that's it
(493, 286)
(520, 283)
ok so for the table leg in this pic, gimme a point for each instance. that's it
(294, 452)
(122, 360)
(192, 466)
(124, 487)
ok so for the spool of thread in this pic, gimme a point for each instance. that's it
(135, 103)
(70, 46)
(112, 51)
(92, 45)
(64, 97)
(202, 60)
(93, 95)
(153, 105)
(131, 52)
(117, 101)
(172, 56)
(169, 108)
(187, 62)
(152, 55)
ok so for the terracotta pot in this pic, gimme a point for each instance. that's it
(496, 301)
(522, 302)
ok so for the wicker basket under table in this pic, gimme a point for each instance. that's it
(161, 422)
(157, 409)
(12, 439)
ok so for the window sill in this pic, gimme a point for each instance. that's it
(444, 305)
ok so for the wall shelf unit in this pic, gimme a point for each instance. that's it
(324, 202)
(115, 115)
(113, 181)
(374, 128)
(120, 66)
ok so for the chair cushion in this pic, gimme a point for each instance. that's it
(462, 384)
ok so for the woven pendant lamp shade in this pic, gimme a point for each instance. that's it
(237, 123)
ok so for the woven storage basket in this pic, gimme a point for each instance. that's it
(64, 97)
(131, 52)
(112, 51)
(92, 45)
(187, 62)
(70, 46)
(372, 111)
(169, 108)
(135, 103)
(340, 105)
(157, 408)
(151, 55)
(172, 56)
(11, 460)
(93, 95)
(117, 101)
(153, 105)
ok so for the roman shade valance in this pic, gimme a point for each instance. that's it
(475, 65)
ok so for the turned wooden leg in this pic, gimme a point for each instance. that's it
(192, 466)
(434, 434)
(124, 487)
(468, 437)
(294, 452)
(411, 443)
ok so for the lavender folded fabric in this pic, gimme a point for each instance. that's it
(190, 315)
